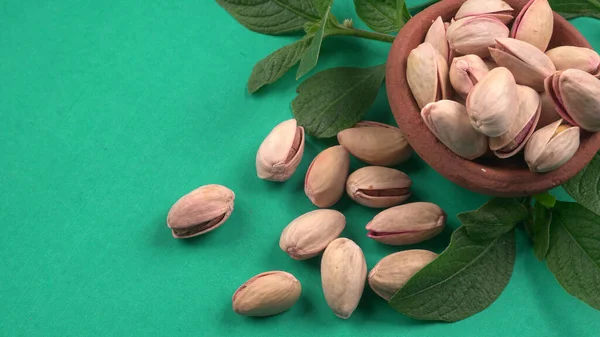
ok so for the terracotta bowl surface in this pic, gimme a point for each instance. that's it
(489, 175)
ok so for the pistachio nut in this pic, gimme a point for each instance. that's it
(393, 271)
(473, 35)
(465, 72)
(528, 114)
(436, 36)
(375, 143)
(576, 96)
(548, 114)
(266, 294)
(378, 187)
(490, 63)
(427, 75)
(407, 224)
(534, 24)
(492, 103)
(571, 57)
(326, 175)
(496, 8)
(551, 146)
(200, 211)
(529, 65)
(343, 275)
(310, 233)
(280, 153)
(449, 122)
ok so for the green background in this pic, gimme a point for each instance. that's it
(112, 110)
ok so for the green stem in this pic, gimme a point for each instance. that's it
(415, 9)
(342, 30)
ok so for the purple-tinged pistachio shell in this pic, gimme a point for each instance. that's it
(576, 97)
(407, 224)
(266, 294)
(523, 126)
(552, 146)
(534, 24)
(571, 57)
(378, 187)
(473, 35)
(496, 8)
(465, 72)
(529, 65)
(427, 75)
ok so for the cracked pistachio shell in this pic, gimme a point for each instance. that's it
(534, 24)
(473, 35)
(309, 234)
(378, 187)
(266, 294)
(571, 57)
(576, 97)
(280, 153)
(528, 114)
(492, 103)
(496, 8)
(465, 72)
(427, 75)
(200, 211)
(551, 147)
(343, 276)
(449, 122)
(436, 36)
(326, 176)
(393, 271)
(407, 224)
(548, 114)
(529, 65)
(376, 143)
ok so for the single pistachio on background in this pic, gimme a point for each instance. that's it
(548, 114)
(343, 275)
(378, 187)
(266, 294)
(326, 176)
(571, 57)
(492, 103)
(427, 75)
(496, 8)
(534, 24)
(407, 224)
(436, 35)
(393, 271)
(280, 153)
(551, 146)
(576, 96)
(527, 116)
(375, 143)
(449, 122)
(465, 72)
(473, 35)
(200, 211)
(529, 65)
(309, 234)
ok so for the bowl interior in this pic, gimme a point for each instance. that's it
(487, 175)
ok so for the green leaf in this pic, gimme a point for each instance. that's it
(322, 6)
(272, 67)
(575, 8)
(336, 99)
(542, 217)
(311, 55)
(494, 218)
(384, 16)
(464, 280)
(585, 186)
(273, 17)
(574, 254)
(546, 199)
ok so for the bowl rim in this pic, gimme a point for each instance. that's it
(488, 180)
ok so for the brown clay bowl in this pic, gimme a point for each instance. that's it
(490, 176)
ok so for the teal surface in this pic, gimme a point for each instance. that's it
(112, 110)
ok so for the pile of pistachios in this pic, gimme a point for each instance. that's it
(343, 264)
(503, 92)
